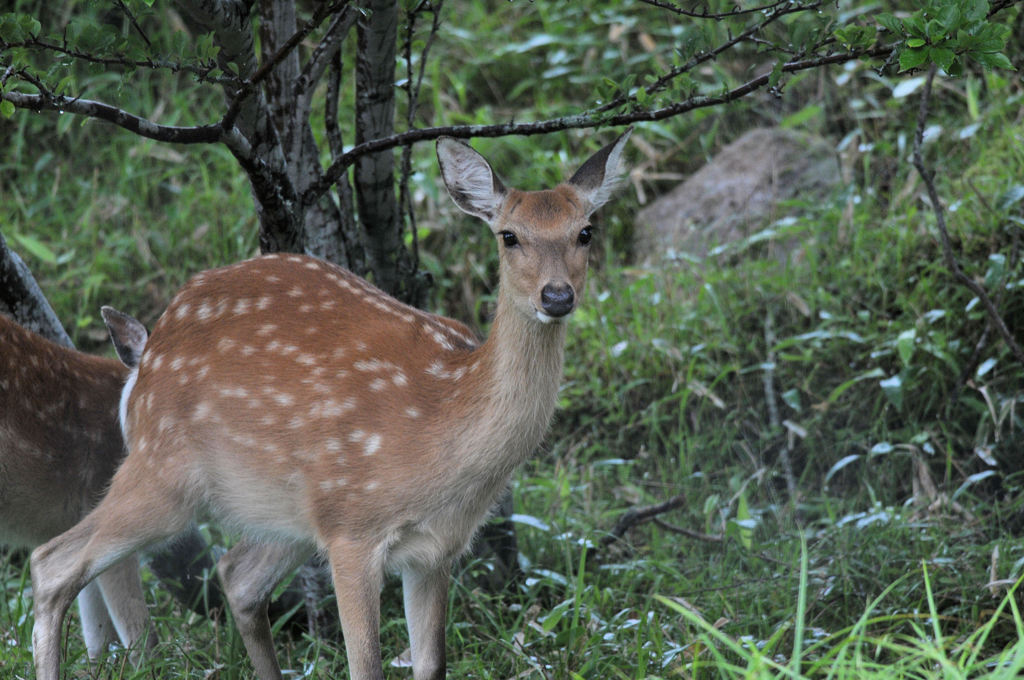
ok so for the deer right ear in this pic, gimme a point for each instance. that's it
(128, 335)
(469, 178)
(601, 174)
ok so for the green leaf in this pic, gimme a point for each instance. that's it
(792, 399)
(996, 270)
(556, 615)
(890, 23)
(893, 389)
(745, 520)
(1011, 197)
(949, 18)
(910, 59)
(843, 462)
(855, 36)
(837, 392)
(915, 42)
(30, 25)
(905, 345)
(35, 246)
(805, 114)
(975, 10)
(942, 57)
(994, 60)
(6, 109)
(914, 25)
(776, 73)
(935, 31)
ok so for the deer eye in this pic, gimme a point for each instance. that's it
(509, 239)
(586, 234)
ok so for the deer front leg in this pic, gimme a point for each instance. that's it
(358, 572)
(250, 571)
(426, 598)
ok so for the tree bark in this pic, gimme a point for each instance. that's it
(379, 215)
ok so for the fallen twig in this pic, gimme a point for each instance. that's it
(639, 515)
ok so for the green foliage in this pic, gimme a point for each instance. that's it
(947, 33)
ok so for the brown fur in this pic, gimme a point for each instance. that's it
(60, 443)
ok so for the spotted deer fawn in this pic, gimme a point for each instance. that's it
(60, 443)
(306, 408)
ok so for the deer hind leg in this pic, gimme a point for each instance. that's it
(113, 607)
(249, 572)
(425, 592)
(97, 628)
(122, 593)
(137, 511)
(357, 569)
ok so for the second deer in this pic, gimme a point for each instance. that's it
(300, 404)
(60, 443)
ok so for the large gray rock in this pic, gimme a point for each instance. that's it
(737, 193)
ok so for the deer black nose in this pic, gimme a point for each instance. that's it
(557, 299)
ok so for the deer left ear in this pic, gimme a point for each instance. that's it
(600, 175)
(128, 335)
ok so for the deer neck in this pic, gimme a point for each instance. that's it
(522, 362)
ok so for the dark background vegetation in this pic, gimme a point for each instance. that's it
(891, 537)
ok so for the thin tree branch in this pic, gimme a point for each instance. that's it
(676, 9)
(639, 515)
(135, 24)
(940, 223)
(324, 52)
(579, 121)
(267, 67)
(412, 85)
(200, 71)
(689, 533)
(48, 101)
(663, 80)
(335, 142)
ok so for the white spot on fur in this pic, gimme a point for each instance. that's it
(368, 365)
(371, 445)
(234, 392)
